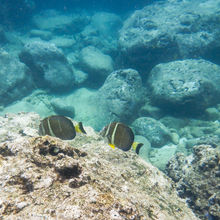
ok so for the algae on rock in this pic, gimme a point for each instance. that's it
(80, 179)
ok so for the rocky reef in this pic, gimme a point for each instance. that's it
(155, 69)
(188, 86)
(44, 177)
(198, 179)
(154, 35)
(15, 81)
(49, 67)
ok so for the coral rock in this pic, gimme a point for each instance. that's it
(45, 177)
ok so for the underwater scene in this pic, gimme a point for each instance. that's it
(110, 109)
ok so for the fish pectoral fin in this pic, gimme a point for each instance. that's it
(112, 146)
(79, 128)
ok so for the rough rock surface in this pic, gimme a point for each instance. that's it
(48, 64)
(187, 86)
(102, 32)
(120, 96)
(15, 81)
(95, 63)
(198, 179)
(44, 177)
(155, 132)
(171, 30)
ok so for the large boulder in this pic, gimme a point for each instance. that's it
(60, 23)
(154, 34)
(49, 66)
(187, 86)
(197, 177)
(95, 63)
(15, 80)
(102, 32)
(120, 96)
(159, 157)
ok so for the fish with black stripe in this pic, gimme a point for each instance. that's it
(60, 126)
(121, 136)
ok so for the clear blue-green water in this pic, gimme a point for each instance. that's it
(152, 65)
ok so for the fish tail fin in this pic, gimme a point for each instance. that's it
(136, 146)
(112, 146)
(79, 128)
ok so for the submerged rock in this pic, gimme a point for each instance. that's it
(49, 66)
(120, 96)
(160, 157)
(95, 63)
(60, 23)
(154, 35)
(38, 101)
(44, 35)
(102, 32)
(15, 81)
(185, 87)
(61, 107)
(198, 178)
(155, 132)
(63, 42)
(83, 178)
(105, 22)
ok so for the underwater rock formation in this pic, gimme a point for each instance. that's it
(44, 177)
(49, 66)
(15, 81)
(187, 86)
(120, 96)
(102, 32)
(60, 23)
(105, 22)
(154, 35)
(155, 132)
(95, 63)
(198, 178)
